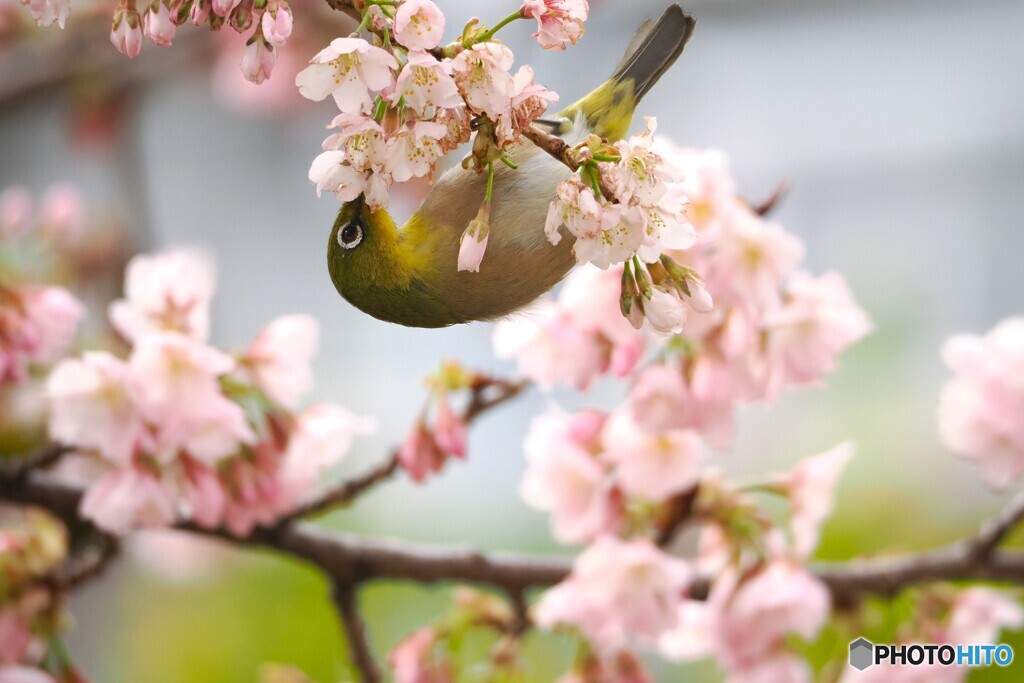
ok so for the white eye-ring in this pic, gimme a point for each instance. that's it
(350, 236)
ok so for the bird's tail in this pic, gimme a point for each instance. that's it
(653, 49)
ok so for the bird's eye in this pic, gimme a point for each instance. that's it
(350, 236)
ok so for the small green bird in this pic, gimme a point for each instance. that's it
(409, 275)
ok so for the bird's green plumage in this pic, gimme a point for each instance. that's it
(409, 275)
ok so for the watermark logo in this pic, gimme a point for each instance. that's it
(864, 653)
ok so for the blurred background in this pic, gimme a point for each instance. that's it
(900, 127)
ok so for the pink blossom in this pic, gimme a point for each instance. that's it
(651, 466)
(818, 320)
(203, 494)
(482, 74)
(280, 358)
(157, 25)
(15, 211)
(752, 258)
(419, 24)
(564, 477)
(420, 455)
(414, 149)
(169, 291)
(979, 614)
(811, 487)
(62, 211)
(277, 24)
(706, 182)
(351, 70)
(332, 171)
(550, 348)
(45, 12)
(126, 32)
(94, 404)
(180, 393)
(426, 84)
(605, 233)
(756, 616)
(590, 297)
(618, 591)
(473, 243)
(128, 498)
(449, 430)
(258, 59)
(980, 408)
(52, 315)
(200, 12)
(529, 100)
(559, 22)
(413, 659)
(658, 399)
(321, 437)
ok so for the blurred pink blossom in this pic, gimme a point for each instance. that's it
(62, 211)
(280, 358)
(618, 592)
(413, 659)
(811, 486)
(128, 498)
(981, 407)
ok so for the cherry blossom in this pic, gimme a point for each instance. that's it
(559, 22)
(419, 24)
(321, 437)
(564, 477)
(128, 498)
(665, 311)
(413, 150)
(279, 358)
(169, 291)
(94, 404)
(528, 101)
(426, 85)
(351, 70)
(618, 592)
(482, 74)
(419, 454)
(980, 408)
(818, 320)
(449, 429)
(46, 12)
(413, 659)
(811, 487)
(648, 465)
(473, 244)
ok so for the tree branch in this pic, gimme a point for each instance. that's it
(13, 468)
(346, 598)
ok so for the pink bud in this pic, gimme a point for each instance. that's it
(420, 454)
(157, 25)
(200, 12)
(665, 312)
(277, 24)
(258, 60)
(126, 32)
(223, 7)
(474, 240)
(449, 430)
(699, 299)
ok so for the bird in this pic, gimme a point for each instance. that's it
(408, 275)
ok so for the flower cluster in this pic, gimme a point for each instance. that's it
(407, 103)
(428, 447)
(37, 323)
(186, 431)
(32, 545)
(981, 410)
(772, 327)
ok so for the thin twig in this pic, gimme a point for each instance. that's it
(994, 531)
(361, 654)
(772, 201)
(562, 151)
(86, 564)
(13, 468)
(485, 393)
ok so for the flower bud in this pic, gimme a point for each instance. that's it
(157, 25)
(698, 297)
(241, 18)
(200, 12)
(664, 311)
(258, 60)
(223, 8)
(474, 240)
(126, 32)
(277, 24)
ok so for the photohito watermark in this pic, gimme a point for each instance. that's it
(864, 653)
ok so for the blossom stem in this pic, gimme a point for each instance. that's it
(490, 181)
(487, 35)
(507, 160)
(607, 157)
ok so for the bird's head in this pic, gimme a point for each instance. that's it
(378, 269)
